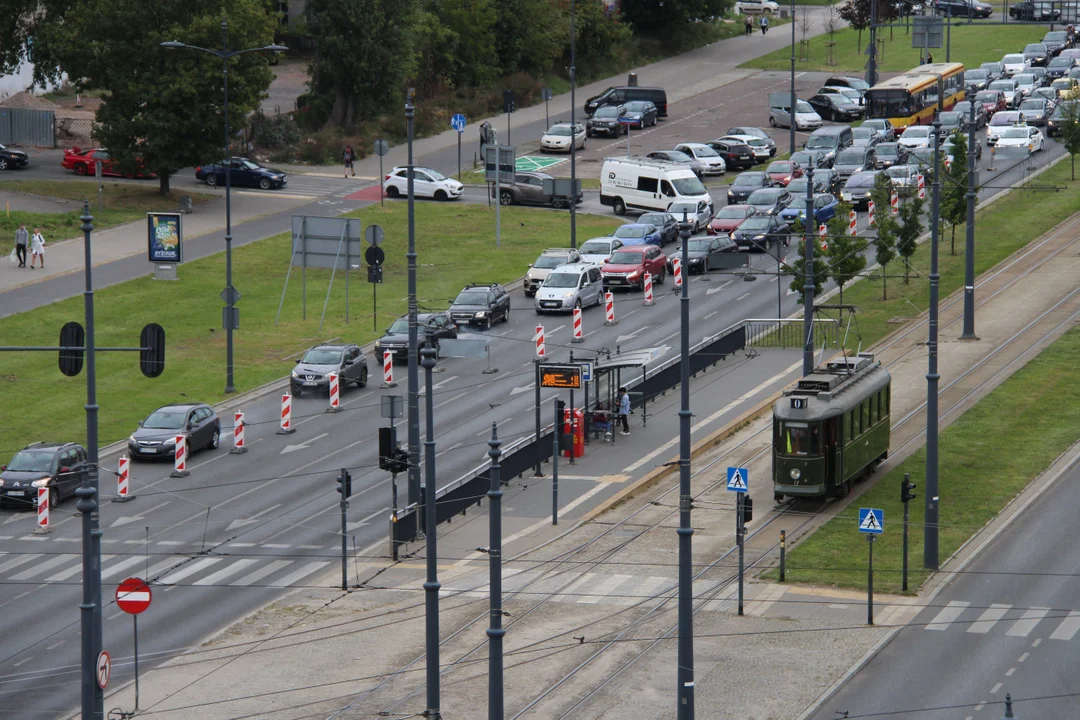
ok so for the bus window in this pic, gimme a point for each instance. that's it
(801, 438)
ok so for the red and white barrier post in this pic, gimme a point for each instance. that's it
(123, 491)
(609, 309)
(388, 370)
(285, 427)
(676, 265)
(180, 457)
(538, 338)
(870, 208)
(852, 223)
(894, 202)
(578, 336)
(648, 289)
(823, 234)
(335, 393)
(239, 445)
(922, 187)
(42, 511)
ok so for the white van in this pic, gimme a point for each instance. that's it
(644, 184)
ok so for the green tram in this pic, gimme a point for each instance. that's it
(831, 428)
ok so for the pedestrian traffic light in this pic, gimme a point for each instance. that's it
(906, 486)
(508, 101)
(387, 447)
(747, 508)
(72, 335)
(345, 483)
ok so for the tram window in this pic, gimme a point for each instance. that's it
(886, 399)
(847, 427)
(865, 415)
(873, 409)
(802, 439)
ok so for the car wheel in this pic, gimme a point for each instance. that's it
(506, 316)
(619, 207)
(662, 276)
(264, 183)
(54, 497)
(440, 195)
(560, 204)
(81, 169)
(211, 179)
(297, 392)
(3, 164)
(392, 191)
(215, 440)
(362, 382)
(506, 197)
(772, 121)
(588, 133)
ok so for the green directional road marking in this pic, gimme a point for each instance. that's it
(533, 163)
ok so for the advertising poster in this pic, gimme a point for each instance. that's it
(165, 237)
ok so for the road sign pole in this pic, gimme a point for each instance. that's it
(740, 530)
(685, 532)
(783, 554)
(344, 529)
(905, 562)
(498, 193)
(459, 156)
(870, 582)
(382, 193)
(135, 621)
(539, 450)
(555, 464)
(414, 348)
(495, 631)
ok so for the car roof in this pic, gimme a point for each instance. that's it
(44, 445)
(575, 268)
(558, 251)
(180, 406)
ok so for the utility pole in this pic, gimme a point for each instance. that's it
(791, 134)
(431, 585)
(573, 146)
(969, 240)
(414, 369)
(808, 285)
(686, 530)
(930, 529)
(495, 632)
(871, 65)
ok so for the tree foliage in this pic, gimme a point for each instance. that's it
(797, 269)
(887, 226)
(954, 185)
(911, 227)
(1070, 132)
(655, 17)
(845, 253)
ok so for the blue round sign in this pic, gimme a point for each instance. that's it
(458, 122)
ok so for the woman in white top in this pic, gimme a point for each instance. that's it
(37, 248)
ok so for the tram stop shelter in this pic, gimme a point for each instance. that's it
(629, 369)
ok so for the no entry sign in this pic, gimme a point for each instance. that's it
(133, 595)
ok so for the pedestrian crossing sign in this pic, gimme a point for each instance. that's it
(871, 521)
(737, 478)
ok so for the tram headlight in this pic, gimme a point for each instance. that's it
(795, 473)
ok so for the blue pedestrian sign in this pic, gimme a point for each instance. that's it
(737, 479)
(871, 521)
(586, 372)
(458, 122)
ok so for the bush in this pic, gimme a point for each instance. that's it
(274, 133)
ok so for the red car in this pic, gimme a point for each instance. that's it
(83, 162)
(992, 101)
(627, 267)
(783, 171)
(728, 218)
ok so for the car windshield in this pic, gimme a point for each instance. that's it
(765, 196)
(1060, 62)
(1000, 119)
(898, 171)
(637, 106)
(688, 186)
(803, 158)
(888, 149)
(596, 247)
(630, 231)
(987, 97)
(821, 142)
(1036, 105)
(949, 118)
(798, 187)
(656, 219)
(977, 74)
(850, 157)
(561, 280)
(857, 83)
(748, 179)
(546, 262)
(753, 132)
(563, 130)
(862, 132)
(801, 106)
(755, 223)
(732, 212)
(1003, 85)
(435, 174)
(678, 208)
(860, 180)
(626, 257)
(917, 132)
(1015, 133)
(780, 167)
(32, 461)
(1015, 59)
(1065, 109)
(476, 297)
(400, 327)
(323, 356)
(705, 151)
(608, 111)
(1024, 79)
(1054, 37)
(678, 156)
(700, 245)
(1035, 48)
(248, 165)
(1062, 84)
(172, 419)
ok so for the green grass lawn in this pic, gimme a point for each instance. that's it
(456, 245)
(1037, 409)
(1000, 229)
(124, 202)
(971, 45)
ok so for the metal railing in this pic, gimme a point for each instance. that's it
(788, 333)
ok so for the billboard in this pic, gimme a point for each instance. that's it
(165, 237)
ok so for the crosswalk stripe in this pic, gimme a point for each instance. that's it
(225, 572)
(949, 613)
(255, 576)
(119, 567)
(186, 571)
(301, 573)
(1068, 627)
(162, 566)
(577, 585)
(43, 567)
(648, 587)
(21, 560)
(73, 570)
(604, 587)
(989, 618)
(1027, 623)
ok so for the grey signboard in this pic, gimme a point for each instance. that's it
(926, 32)
(507, 155)
(325, 242)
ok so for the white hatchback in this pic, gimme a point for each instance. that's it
(1021, 136)
(711, 162)
(915, 136)
(557, 138)
(598, 250)
(426, 183)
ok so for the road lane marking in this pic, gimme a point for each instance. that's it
(449, 400)
(163, 566)
(181, 573)
(73, 570)
(993, 690)
(603, 588)
(989, 618)
(119, 567)
(742, 297)
(1068, 627)
(259, 574)
(56, 645)
(225, 572)
(1027, 623)
(949, 613)
(22, 559)
(301, 573)
(22, 662)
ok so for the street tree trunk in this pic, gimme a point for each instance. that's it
(952, 242)
(884, 284)
(163, 183)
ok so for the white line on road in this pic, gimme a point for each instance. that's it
(989, 618)
(56, 645)
(1068, 627)
(22, 662)
(552, 331)
(993, 690)
(742, 297)
(949, 613)
(710, 315)
(1027, 623)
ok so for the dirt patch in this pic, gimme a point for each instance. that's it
(27, 101)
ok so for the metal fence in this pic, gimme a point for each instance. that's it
(72, 132)
(788, 333)
(21, 126)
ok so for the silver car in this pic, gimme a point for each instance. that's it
(548, 261)
(596, 251)
(697, 214)
(568, 287)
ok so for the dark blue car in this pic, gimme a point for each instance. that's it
(639, 234)
(824, 209)
(242, 172)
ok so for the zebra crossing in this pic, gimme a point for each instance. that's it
(959, 616)
(172, 570)
(316, 186)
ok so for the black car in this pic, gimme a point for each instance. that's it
(754, 132)
(312, 371)
(964, 108)
(705, 253)
(606, 121)
(1060, 67)
(664, 222)
(857, 189)
(746, 183)
(11, 159)
(976, 80)
(769, 201)
(1056, 41)
(482, 305)
(996, 69)
(156, 436)
(242, 172)
(824, 181)
(1036, 54)
(889, 154)
(429, 326)
(60, 467)
(1036, 11)
(830, 179)
(736, 155)
(835, 107)
(962, 8)
(760, 233)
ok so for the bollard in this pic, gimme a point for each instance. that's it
(922, 179)
(870, 212)
(609, 307)
(894, 202)
(852, 223)
(577, 327)
(123, 493)
(823, 233)
(180, 457)
(239, 446)
(42, 511)
(648, 289)
(676, 265)
(783, 555)
(538, 338)
(286, 428)
(388, 370)
(335, 393)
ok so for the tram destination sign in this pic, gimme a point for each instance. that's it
(561, 376)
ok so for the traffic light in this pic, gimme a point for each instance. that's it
(508, 101)
(747, 508)
(345, 483)
(72, 335)
(152, 356)
(906, 486)
(391, 458)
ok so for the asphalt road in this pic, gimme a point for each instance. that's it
(1004, 625)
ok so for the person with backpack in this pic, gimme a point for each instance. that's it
(764, 23)
(349, 155)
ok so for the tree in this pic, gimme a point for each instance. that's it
(845, 252)
(162, 106)
(364, 54)
(954, 187)
(911, 228)
(887, 228)
(470, 53)
(797, 270)
(529, 35)
(857, 15)
(1070, 131)
(656, 18)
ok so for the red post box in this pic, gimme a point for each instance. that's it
(577, 432)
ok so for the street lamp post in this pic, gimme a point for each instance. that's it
(969, 240)
(431, 585)
(230, 292)
(808, 284)
(414, 368)
(573, 145)
(791, 134)
(930, 530)
(685, 692)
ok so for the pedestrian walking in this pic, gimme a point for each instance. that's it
(764, 23)
(929, 58)
(749, 26)
(624, 411)
(37, 249)
(22, 240)
(349, 155)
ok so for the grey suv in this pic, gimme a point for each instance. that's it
(60, 467)
(312, 371)
(155, 437)
(568, 287)
(528, 189)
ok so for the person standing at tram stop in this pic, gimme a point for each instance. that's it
(624, 411)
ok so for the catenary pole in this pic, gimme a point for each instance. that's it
(969, 240)
(808, 285)
(791, 134)
(930, 529)
(414, 367)
(431, 585)
(871, 66)
(686, 530)
(495, 631)
(573, 111)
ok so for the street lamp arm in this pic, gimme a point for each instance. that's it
(175, 45)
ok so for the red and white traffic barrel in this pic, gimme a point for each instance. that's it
(648, 289)
(823, 234)
(123, 490)
(538, 338)
(335, 393)
(894, 202)
(239, 445)
(609, 309)
(676, 264)
(578, 336)
(180, 457)
(285, 424)
(388, 370)
(43, 510)
(852, 223)
(922, 187)
(871, 220)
